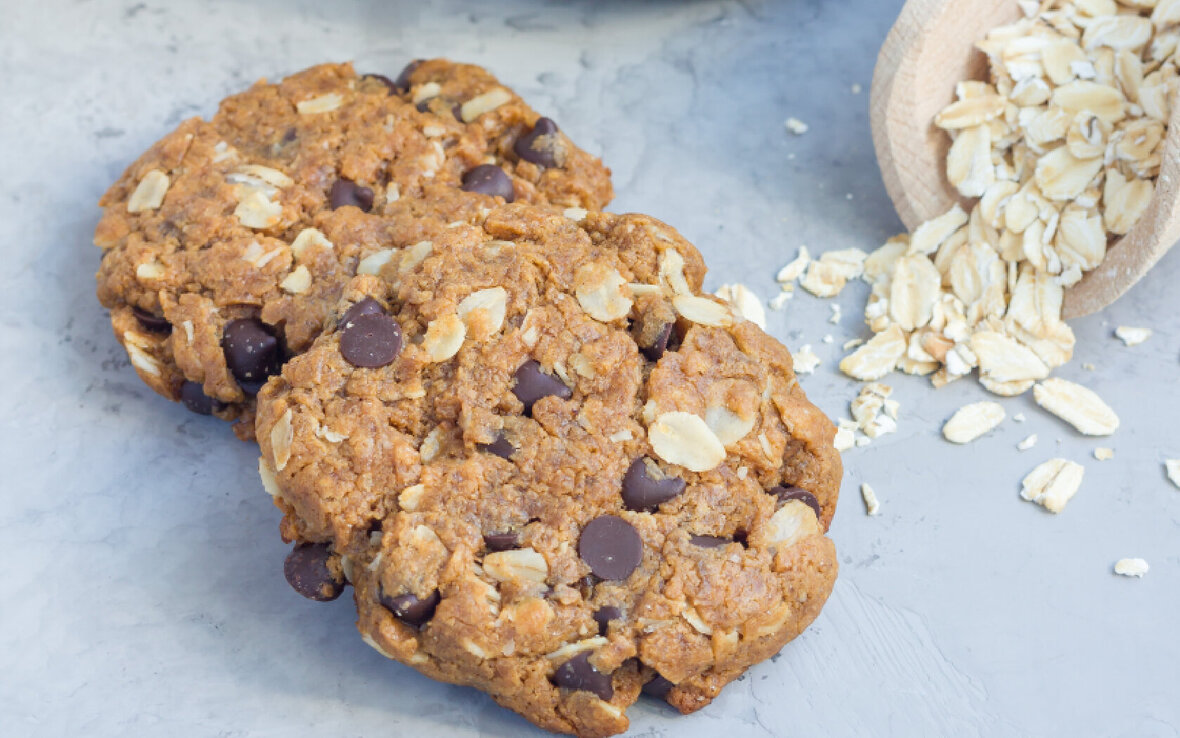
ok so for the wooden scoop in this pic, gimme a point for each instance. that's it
(928, 51)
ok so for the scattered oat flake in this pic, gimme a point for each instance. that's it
(805, 360)
(1131, 567)
(828, 338)
(1172, 466)
(876, 358)
(845, 437)
(779, 301)
(794, 269)
(1053, 483)
(836, 313)
(972, 421)
(852, 343)
(1132, 336)
(745, 301)
(1018, 417)
(1027, 443)
(1102, 453)
(796, 126)
(872, 506)
(1076, 405)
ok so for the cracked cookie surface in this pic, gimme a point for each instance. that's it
(552, 469)
(227, 244)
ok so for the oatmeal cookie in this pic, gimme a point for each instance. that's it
(228, 243)
(552, 469)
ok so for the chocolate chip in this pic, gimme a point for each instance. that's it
(659, 345)
(611, 547)
(306, 569)
(489, 179)
(152, 322)
(423, 106)
(786, 494)
(499, 447)
(371, 340)
(709, 541)
(642, 493)
(389, 84)
(532, 384)
(346, 192)
(411, 610)
(541, 145)
(289, 135)
(604, 615)
(403, 80)
(367, 306)
(502, 541)
(578, 673)
(251, 353)
(192, 394)
(658, 687)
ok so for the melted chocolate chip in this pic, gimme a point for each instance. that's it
(611, 547)
(306, 569)
(192, 394)
(786, 494)
(403, 80)
(251, 353)
(152, 322)
(367, 306)
(541, 145)
(346, 192)
(371, 340)
(642, 493)
(659, 345)
(389, 84)
(411, 610)
(489, 179)
(500, 447)
(604, 615)
(708, 541)
(658, 687)
(502, 541)
(578, 673)
(532, 384)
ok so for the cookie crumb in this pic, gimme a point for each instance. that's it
(796, 126)
(1102, 453)
(1027, 443)
(872, 505)
(1132, 336)
(1131, 567)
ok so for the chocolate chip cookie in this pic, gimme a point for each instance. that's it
(226, 245)
(552, 469)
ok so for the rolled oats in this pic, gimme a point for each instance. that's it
(686, 439)
(972, 421)
(149, 193)
(1131, 567)
(1132, 336)
(1053, 483)
(872, 505)
(1076, 405)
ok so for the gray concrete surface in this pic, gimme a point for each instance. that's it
(142, 590)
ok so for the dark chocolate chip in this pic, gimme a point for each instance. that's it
(502, 541)
(411, 610)
(251, 353)
(306, 569)
(611, 547)
(786, 494)
(642, 493)
(371, 340)
(403, 80)
(541, 145)
(457, 112)
(658, 687)
(367, 306)
(489, 179)
(152, 322)
(423, 106)
(192, 394)
(578, 673)
(346, 192)
(709, 541)
(289, 135)
(659, 345)
(532, 384)
(500, 447)
(389, 84)
(604, 615)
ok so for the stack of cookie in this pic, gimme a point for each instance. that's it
(549, 466)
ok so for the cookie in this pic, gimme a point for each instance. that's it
(228, 243)
(552, 469)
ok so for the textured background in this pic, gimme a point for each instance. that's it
(142, 592)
